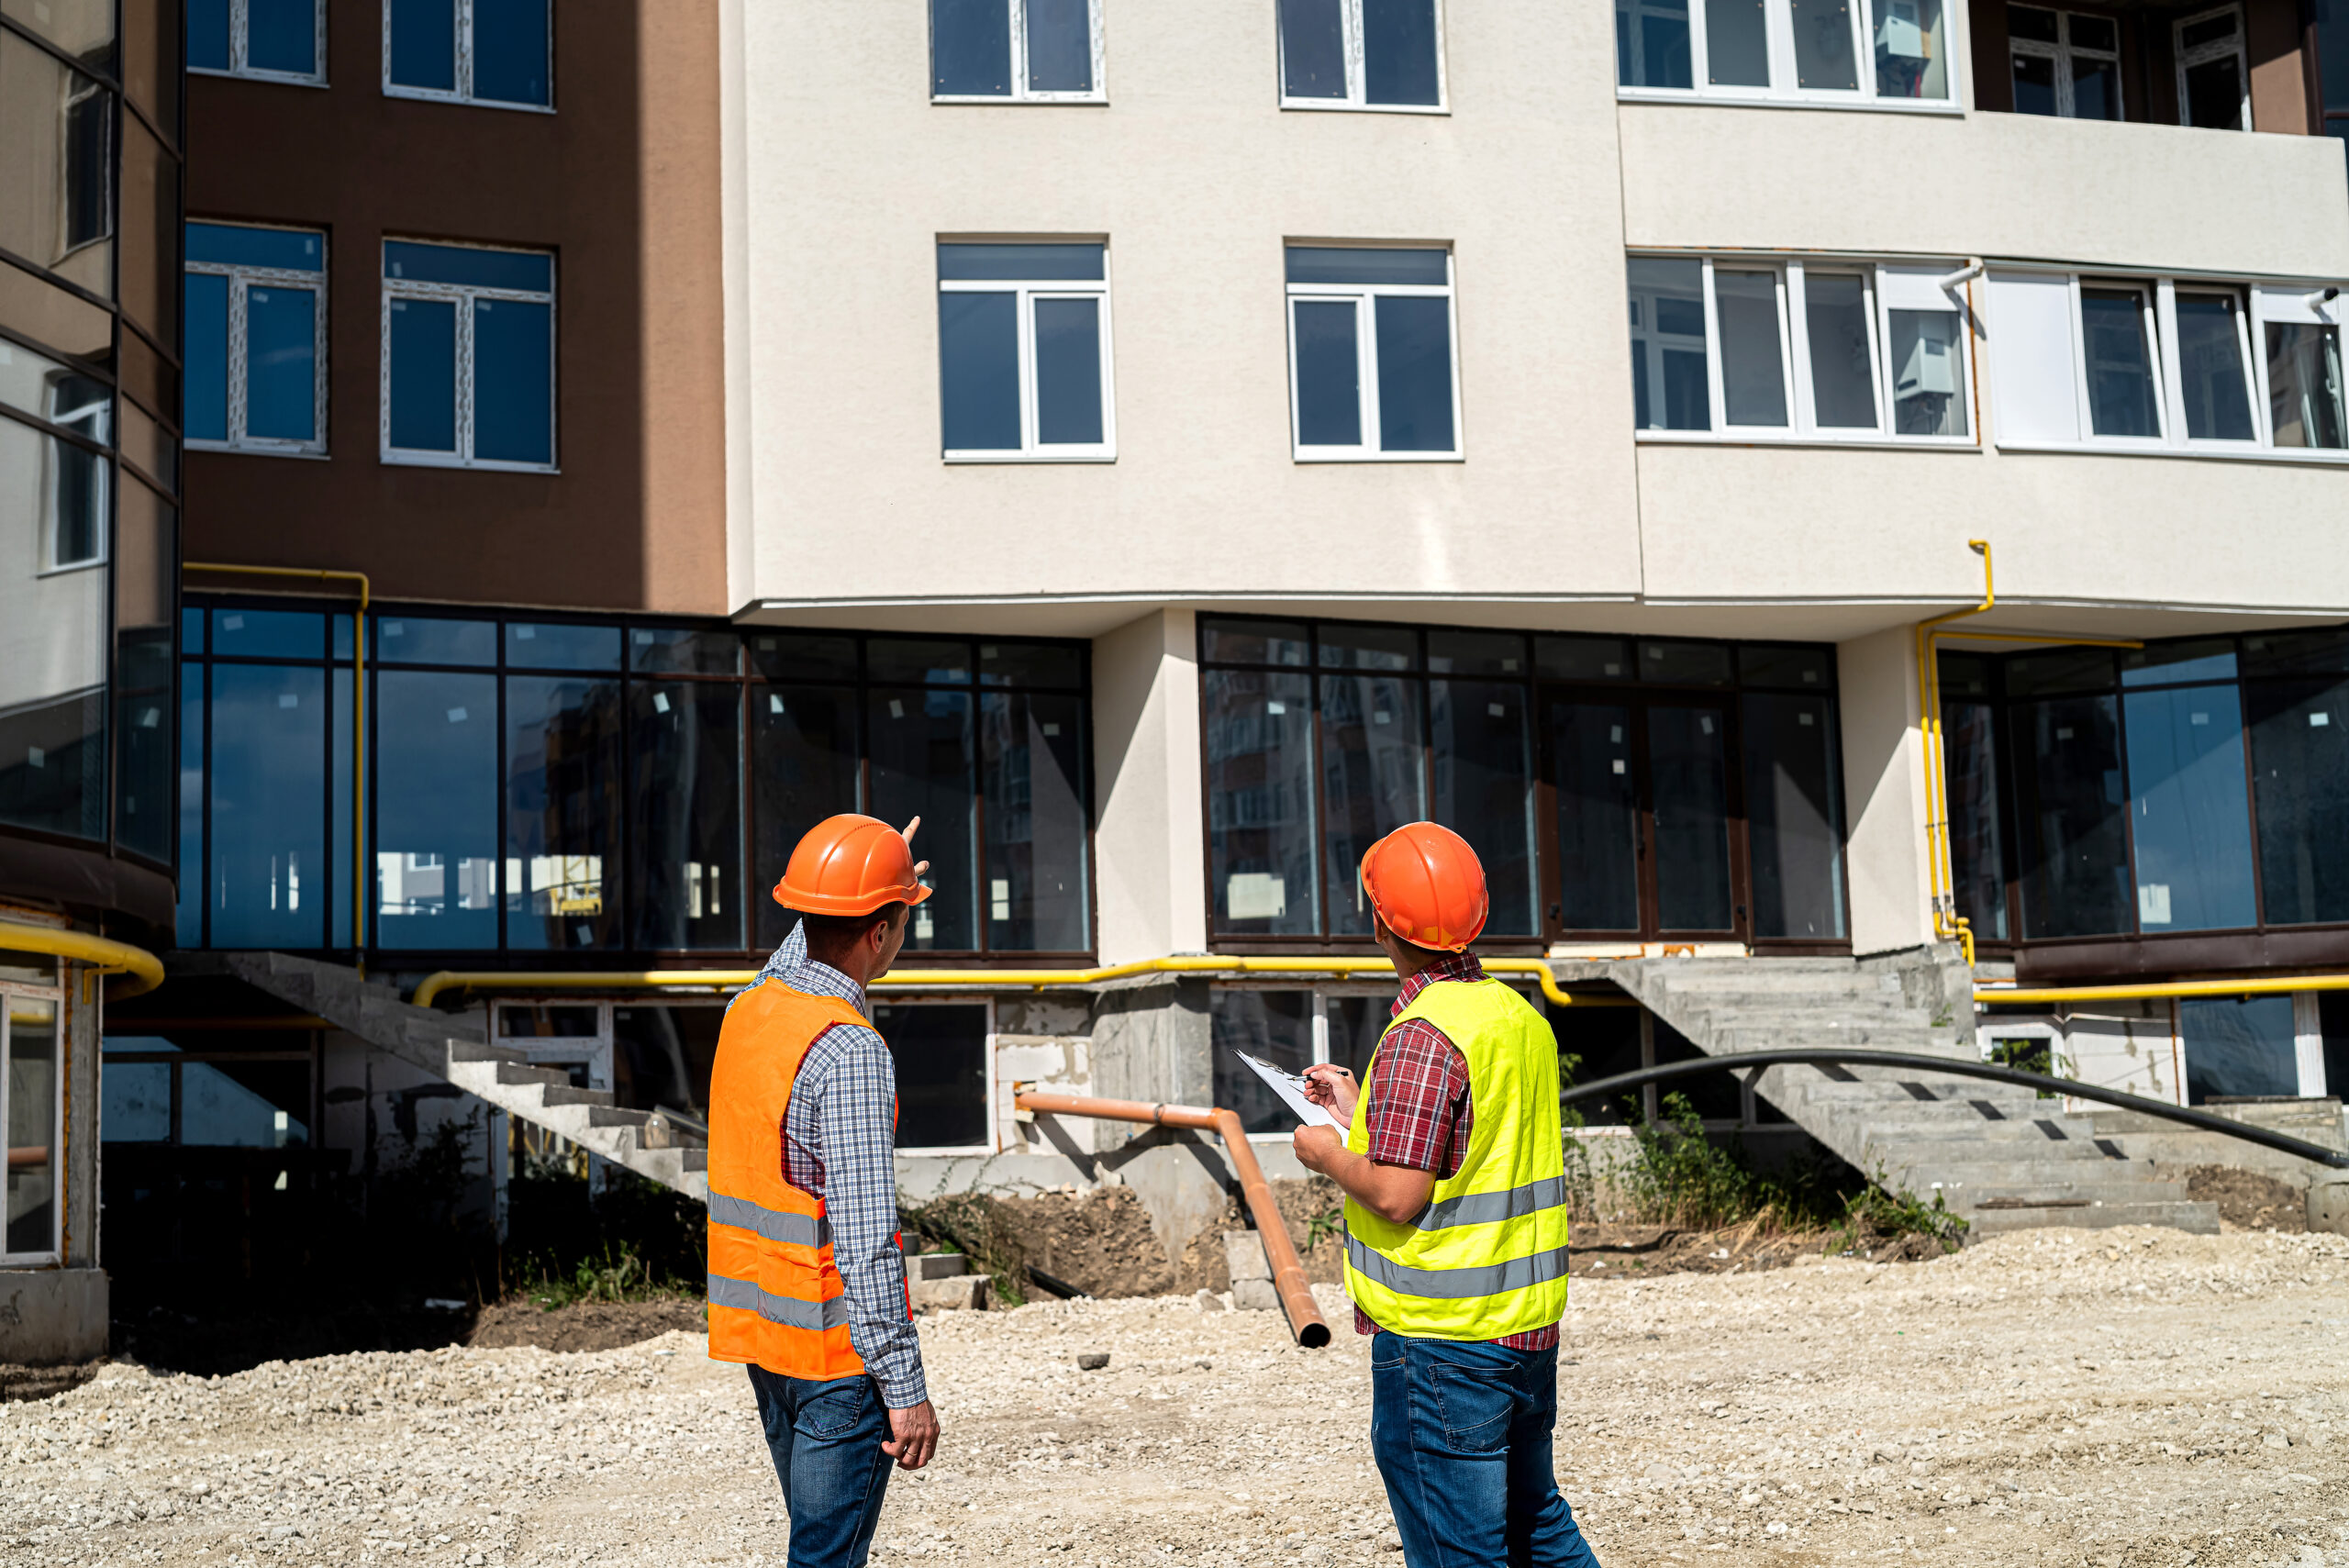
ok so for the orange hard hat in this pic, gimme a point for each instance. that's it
(850, 865)
(1428, 886)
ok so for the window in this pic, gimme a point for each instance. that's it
(1036, 50)
(543, 786)
(1816, 349)
(2163, 365)
(2067, 63)
(1888, 53)
(468, 356)
(1023, 353)
(255, 313)
(1362, 54)
(274, 40)
(32, 1087)
(498, 52)
(2213, 73)
(1372, 364)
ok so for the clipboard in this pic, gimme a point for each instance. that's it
(1291, 1089)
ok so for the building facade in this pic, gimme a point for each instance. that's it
(1164, 450)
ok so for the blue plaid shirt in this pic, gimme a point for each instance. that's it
(839, 1144)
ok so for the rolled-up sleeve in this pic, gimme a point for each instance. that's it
(857, 1122)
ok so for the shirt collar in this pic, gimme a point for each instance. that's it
(816, 979)
(1450, 966)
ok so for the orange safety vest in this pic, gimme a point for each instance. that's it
(775, 1295)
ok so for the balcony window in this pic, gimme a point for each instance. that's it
(255, 313)
(1023, 353)
(2213, 70)
(1815, 351)
(1362, 54)
(497, 53)
(269, 40)
(1882, 53)
(2163, 365)
(1373, 367)
(32, 1107)
(2067, 63)
(1025, 50)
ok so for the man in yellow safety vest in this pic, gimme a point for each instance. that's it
(1454, 1174)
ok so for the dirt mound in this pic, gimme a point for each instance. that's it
(2249, 1200)
(1100, 1240)
(584, 1325)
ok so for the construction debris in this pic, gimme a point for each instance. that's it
(2130, 1395)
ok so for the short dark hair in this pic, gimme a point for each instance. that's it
(831, 933)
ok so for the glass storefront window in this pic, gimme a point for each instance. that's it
(2299, 750)
(942, 1059)
(1481, 748)
(1598, 817)
(1259, 739)
(2072, 817)
(1795, 820)
(2189, 810)
(1373, 780)
(2238, 1047)
(29, 1088)
(514, 767)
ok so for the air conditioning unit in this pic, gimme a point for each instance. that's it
(1899, 33)
(1928, 369)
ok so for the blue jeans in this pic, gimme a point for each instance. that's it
(825, 1438)
(1461, 1435)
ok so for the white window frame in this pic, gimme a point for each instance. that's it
(95, 423)
(1021, 92)
(2264, 301)
(2239, 47)
(241, 50)
(1802, 427)
(1365, 297)
(241, 280)
(465, 294)
(464, 91)
(1030, 449)
(1350, 29)
(2062, 52)
(1778, 16)
(55, 996)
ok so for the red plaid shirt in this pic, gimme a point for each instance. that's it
(1419, 1112)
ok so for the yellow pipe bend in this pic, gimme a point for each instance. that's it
(433, 985)
(110, 957)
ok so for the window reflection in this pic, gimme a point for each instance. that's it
(2189, 808)
(28, 1212)
(2299, 747)
(1483, 762)
(2072, 824)
(1373, 780)
(1795, 819)
(921, 752)
(1034, 787)
(803, 769)
(267, 781)
(436, 782)
(685, 813)
(2238, 1047)
(1259, 739)
(562, 812)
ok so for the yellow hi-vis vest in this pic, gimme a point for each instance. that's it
(1486, 1258)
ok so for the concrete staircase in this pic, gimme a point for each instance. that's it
(655, 1146)
(2001, 1158)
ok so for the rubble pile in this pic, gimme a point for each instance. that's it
(2114, 1397)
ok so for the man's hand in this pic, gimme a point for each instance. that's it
(1319, 1148)
(1327, 1083)
(915, 1428)
(906, 833)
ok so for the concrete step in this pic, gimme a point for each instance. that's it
(2196, 1219)
(936, 1265)
(1968, 1127)
(521, 1073)
(564, 1094)
(2035, 1184)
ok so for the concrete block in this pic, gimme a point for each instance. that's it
(1243, 1255)
(936, 1265)
(962, 1293)
(52, 1315)
(1255, 1295)
(2329, 1205)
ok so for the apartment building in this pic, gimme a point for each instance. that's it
(1164, 449)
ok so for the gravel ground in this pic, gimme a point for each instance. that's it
(2110, 1397)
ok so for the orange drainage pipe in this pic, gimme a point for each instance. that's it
(1305, 1318)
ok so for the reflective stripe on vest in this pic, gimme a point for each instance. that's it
(1457, 1285)
(776, 1225)
(746, 1295)
(1486, 1257)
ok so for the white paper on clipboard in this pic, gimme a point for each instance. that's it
(1291, 1089)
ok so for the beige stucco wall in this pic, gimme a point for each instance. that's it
(842, 176)
(1150, 835)
(2017, 187)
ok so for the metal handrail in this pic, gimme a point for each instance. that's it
(1962, 1068)
(105, 955)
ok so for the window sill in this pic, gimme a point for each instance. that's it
(28, 1260)
(1812, 442)
(283, 79)
(969, 457)
(1014, 100)
(429, 95)
(314, 454)
(69, 569)
(2302, 456)
(1305, 454)
(431, 460)
(1947, 109)
(1344, 106)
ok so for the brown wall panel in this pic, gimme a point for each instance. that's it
(2279, 87)
(621, 184)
